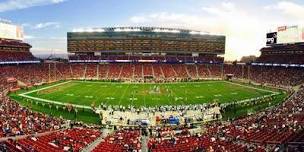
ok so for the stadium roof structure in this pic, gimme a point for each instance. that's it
(144, 40)
(142, 29)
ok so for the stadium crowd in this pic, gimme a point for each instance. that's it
(17, 120)
(282, 54)
(122, 140)
(271, 129)
(268, 130)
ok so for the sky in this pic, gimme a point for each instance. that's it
(243, 22)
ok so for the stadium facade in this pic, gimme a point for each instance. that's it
(13, 50)
(137, 42)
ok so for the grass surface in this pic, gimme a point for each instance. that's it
(116, 93)
(234, 112)
(87, 92)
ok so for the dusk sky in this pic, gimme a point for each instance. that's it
(244, 22)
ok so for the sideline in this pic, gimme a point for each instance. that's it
(55, 102)
(52, 101)
(251, 87)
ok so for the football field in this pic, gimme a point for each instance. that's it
(148, 94)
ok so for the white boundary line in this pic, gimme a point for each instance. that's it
(273, 93)
(246, 86)
(51, 101)
(88, 107)
(54, 102)
(44, 88)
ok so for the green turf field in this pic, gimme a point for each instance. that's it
(88, 92)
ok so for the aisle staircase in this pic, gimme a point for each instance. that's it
(85, 71)
(209, 72)
(162, 72)
(144, 143)
(187, 71)
(97, 72)
(196, 69)
(95, 143)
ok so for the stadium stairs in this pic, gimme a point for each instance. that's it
(144, 143)
(94, 144)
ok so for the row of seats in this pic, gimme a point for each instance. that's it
(6, 56)
(66, 140)
(14, 50)
(168, 58)
(282, 54)
(290, 76)
(120, 141)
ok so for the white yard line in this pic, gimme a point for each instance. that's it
(123, 94)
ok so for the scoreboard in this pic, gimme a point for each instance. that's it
(271, 38)
(290, 34)
(286, 35)
(10, 31)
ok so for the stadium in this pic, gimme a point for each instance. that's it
(153, 89)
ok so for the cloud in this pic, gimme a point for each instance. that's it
(47, 45)
(47, 51)
(244, 31)
(10, 5)
(32, 37)
(44, 25)
(245, 27)
(289, 9)
(226, 7)
(166, 19)
(29, 37)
